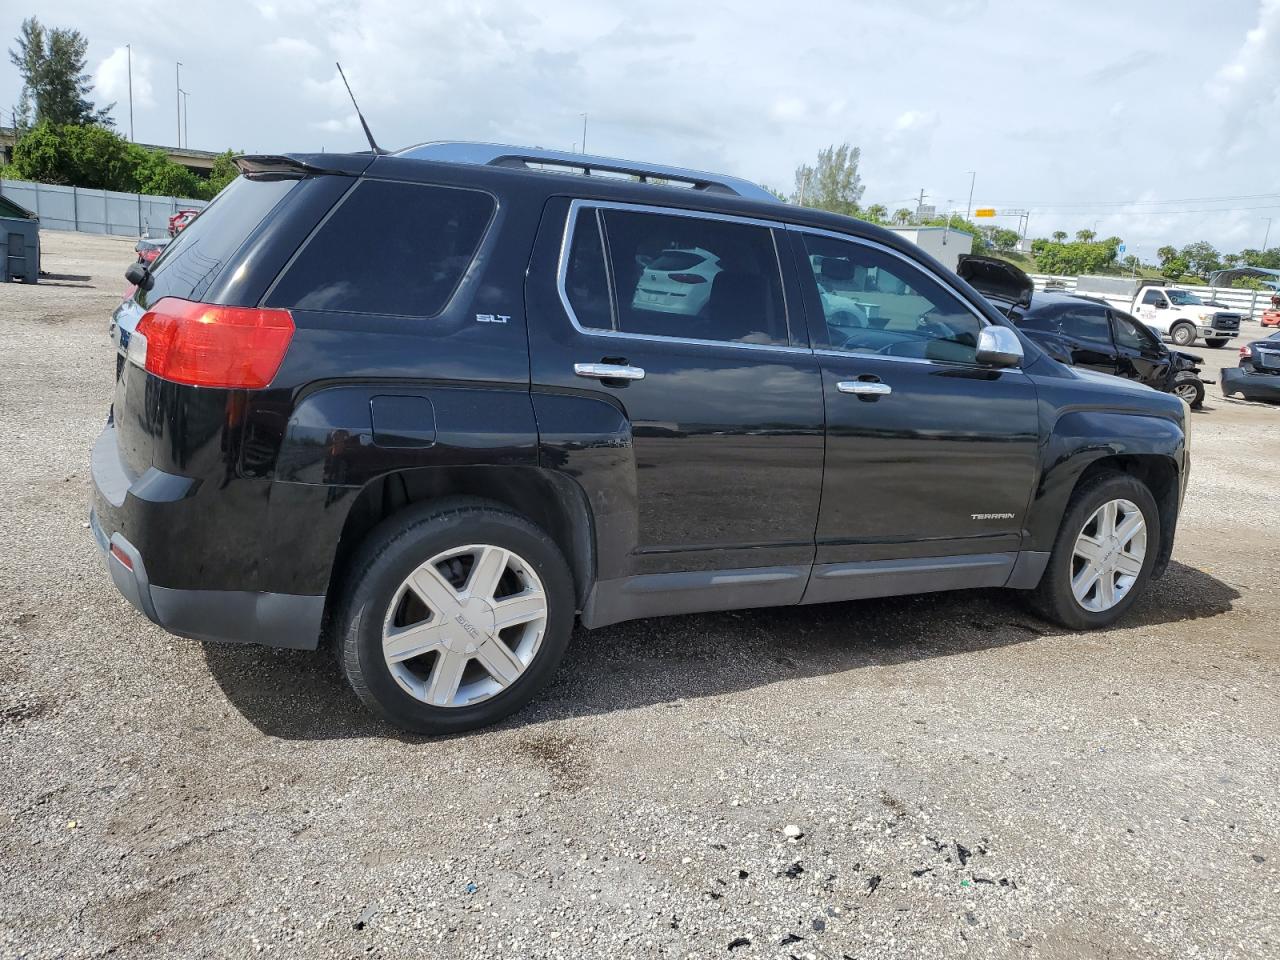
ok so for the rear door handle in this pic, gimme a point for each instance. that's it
(608, 371)
(865, 388)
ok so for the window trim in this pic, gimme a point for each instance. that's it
(829, 351)
(343, 200)
(562, 271)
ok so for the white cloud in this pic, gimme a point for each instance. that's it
(111, 81)
(1246, 89)
(292, 48)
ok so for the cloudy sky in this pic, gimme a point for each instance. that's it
(1080, 112)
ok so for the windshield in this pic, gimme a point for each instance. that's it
(1181, 298)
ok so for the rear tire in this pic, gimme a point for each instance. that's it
(1215, 342)
(422, 641)
(1190, 388)
(1056, 596)
(1183, 334)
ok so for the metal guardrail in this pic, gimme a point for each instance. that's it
(1251, 303)
(97, 211)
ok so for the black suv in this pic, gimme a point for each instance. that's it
(438, 405)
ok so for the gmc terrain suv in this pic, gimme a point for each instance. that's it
(436, 406)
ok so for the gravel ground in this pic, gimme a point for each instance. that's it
(968, 780)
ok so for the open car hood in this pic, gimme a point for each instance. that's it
(996, 278)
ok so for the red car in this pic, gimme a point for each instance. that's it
(180, 220)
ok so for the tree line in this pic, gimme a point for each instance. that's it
(833, 183)
(62, 137)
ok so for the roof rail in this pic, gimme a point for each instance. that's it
(525, 158)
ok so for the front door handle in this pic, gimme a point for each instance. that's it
(865, 388)
(608, 371)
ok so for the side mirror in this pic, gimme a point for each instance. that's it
(999, 347)
(139, 275)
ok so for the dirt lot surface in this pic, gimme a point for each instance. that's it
(969, 780)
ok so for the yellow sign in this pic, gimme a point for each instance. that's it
(985, 212)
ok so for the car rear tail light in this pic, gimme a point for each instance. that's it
(687, 278)
(206, 345)
(1245, 351)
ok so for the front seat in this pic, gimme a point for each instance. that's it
(738, 307)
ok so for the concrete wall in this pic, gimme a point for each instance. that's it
(97, 211)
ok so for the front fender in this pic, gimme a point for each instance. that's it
(1082, 438)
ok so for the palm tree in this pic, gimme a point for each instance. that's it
(877, 213)
(902, 216)
(1059, 236)
(1085, 236)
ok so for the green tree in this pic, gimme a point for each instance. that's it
(1166, 253)
(1268, 259)
(833, 183)
(55, 87)
(1174, 267)
(1131, 263)
(225, 170)
(81, 156)
(902, 216)
(1059, 236)
(1230, 260)
(1004, 240)
(1202, 258)
(876, 213)
(1085, 236)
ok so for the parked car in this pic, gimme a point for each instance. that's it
(1180, 315)
(1086, 332)
(1257, 376)
(421, 416)
(149, 248)
(1271, 318)
(181, 220)
(676, 281)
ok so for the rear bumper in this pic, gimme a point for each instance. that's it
(1252, 386)
(152, 503)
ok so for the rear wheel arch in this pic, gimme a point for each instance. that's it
(550, 501)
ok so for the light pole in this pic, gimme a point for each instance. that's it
(129, 53)
(973, 178)
(584, 133)
(1266, 236)
(186, 117)
(177, 85)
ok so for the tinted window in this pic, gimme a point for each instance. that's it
(1130, 333)
(1085, 323)
(1153, 296)
(875, 302)
(678, 276)
(194, 258)
(586, 280)
(396, 248)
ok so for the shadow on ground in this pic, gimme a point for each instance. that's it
(302, 696)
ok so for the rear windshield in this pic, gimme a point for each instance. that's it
(675, 260)
(196, 256)
(390, 248)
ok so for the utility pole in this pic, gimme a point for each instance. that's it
(186, 117)
(1266, 236)
(584, 133)
(973, 178)
(177, 86)
(129, 53)
(920, 205)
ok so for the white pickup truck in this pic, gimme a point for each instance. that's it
(1179, 315)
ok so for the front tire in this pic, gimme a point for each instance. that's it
(1183, 334)
(453, 616)
(1190, 388)
(1103, 555)
(1215, 342)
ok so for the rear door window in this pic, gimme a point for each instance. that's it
(1086, 323)
(389, 248)
(197, 255)
(690, 277)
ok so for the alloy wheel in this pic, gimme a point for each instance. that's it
(1187, 392)
(1108, 555)
(464, 626)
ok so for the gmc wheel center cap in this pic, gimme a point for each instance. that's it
(473, 623)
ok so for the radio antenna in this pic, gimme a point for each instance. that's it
(377, 150)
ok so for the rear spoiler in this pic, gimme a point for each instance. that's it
(294, 166)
